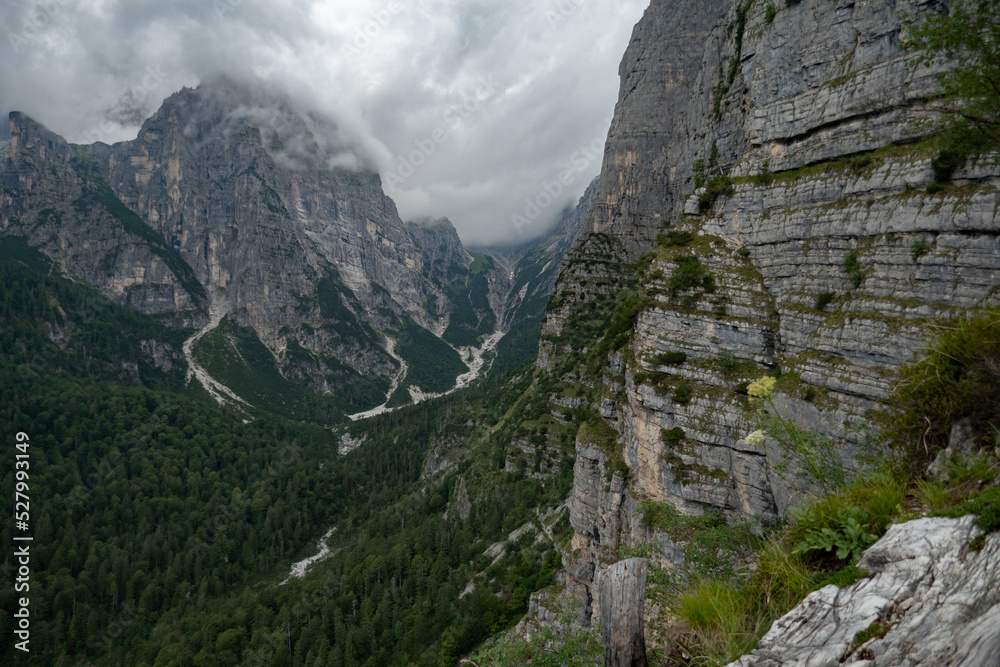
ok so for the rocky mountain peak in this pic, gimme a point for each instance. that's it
(32, 141)
(223, 108)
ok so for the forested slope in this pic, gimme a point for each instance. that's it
(164, 524)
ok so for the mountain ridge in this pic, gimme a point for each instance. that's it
(230, 200)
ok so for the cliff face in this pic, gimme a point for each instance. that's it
(535, 273)
(818, 254)
(231, 201)
(50, 196)
(248, 192)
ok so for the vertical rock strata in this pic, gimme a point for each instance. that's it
(229, 199)
(819, 250)
(47, 194)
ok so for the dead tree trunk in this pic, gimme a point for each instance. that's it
(622, 589)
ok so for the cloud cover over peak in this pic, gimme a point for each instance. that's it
(489, 112)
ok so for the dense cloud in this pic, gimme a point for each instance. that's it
(489, 112)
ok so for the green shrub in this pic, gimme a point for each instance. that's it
(670, 358)
(849, 538)
(727, 361)
(874, 502)
(770, 12)
(919, 249)
(955, 378)
(986, 506)
(682, 394)
(853, 268)
(672, 437)
(858, 163)
(624, 317)
(690, 274)
(823, 300)
(599, 433)
(944, 165)
(674, 238)
(721, 186)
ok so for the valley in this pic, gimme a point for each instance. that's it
(276, 422)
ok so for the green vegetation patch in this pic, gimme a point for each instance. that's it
(472, 318)
(50, 326)
(853, 268)
(689, 275)
(236, 357)
(876, 630)
(333, 297)
(671, 358)
(986, 505)
(953, 379)
(433, 364)
(721, 186)
(823, 300)
(599, 433)
(672, 238)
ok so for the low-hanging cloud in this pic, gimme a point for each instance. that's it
(470, 109)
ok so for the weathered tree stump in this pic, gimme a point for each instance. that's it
(622, 591)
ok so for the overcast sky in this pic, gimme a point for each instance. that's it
(469, 109)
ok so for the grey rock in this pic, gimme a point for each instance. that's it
(461, 506)
(46, 197)
(161, 355)
(939, 599)
(962, 442)
(962, 439)
(692, 206)
(822, 82)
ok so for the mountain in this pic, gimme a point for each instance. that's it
(771, 242)
(235, 214)
(533, 272)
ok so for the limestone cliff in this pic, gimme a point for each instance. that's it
(52, 196)
(818, 252)
(231, 199)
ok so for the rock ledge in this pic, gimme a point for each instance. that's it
(939, 599)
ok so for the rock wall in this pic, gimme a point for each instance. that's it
(823, 253)
(242, 187)
(47, 198)
(230, 199)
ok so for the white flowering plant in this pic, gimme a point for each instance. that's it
(811, 454)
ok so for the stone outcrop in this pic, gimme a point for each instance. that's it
(931, 600)
(821, 251)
